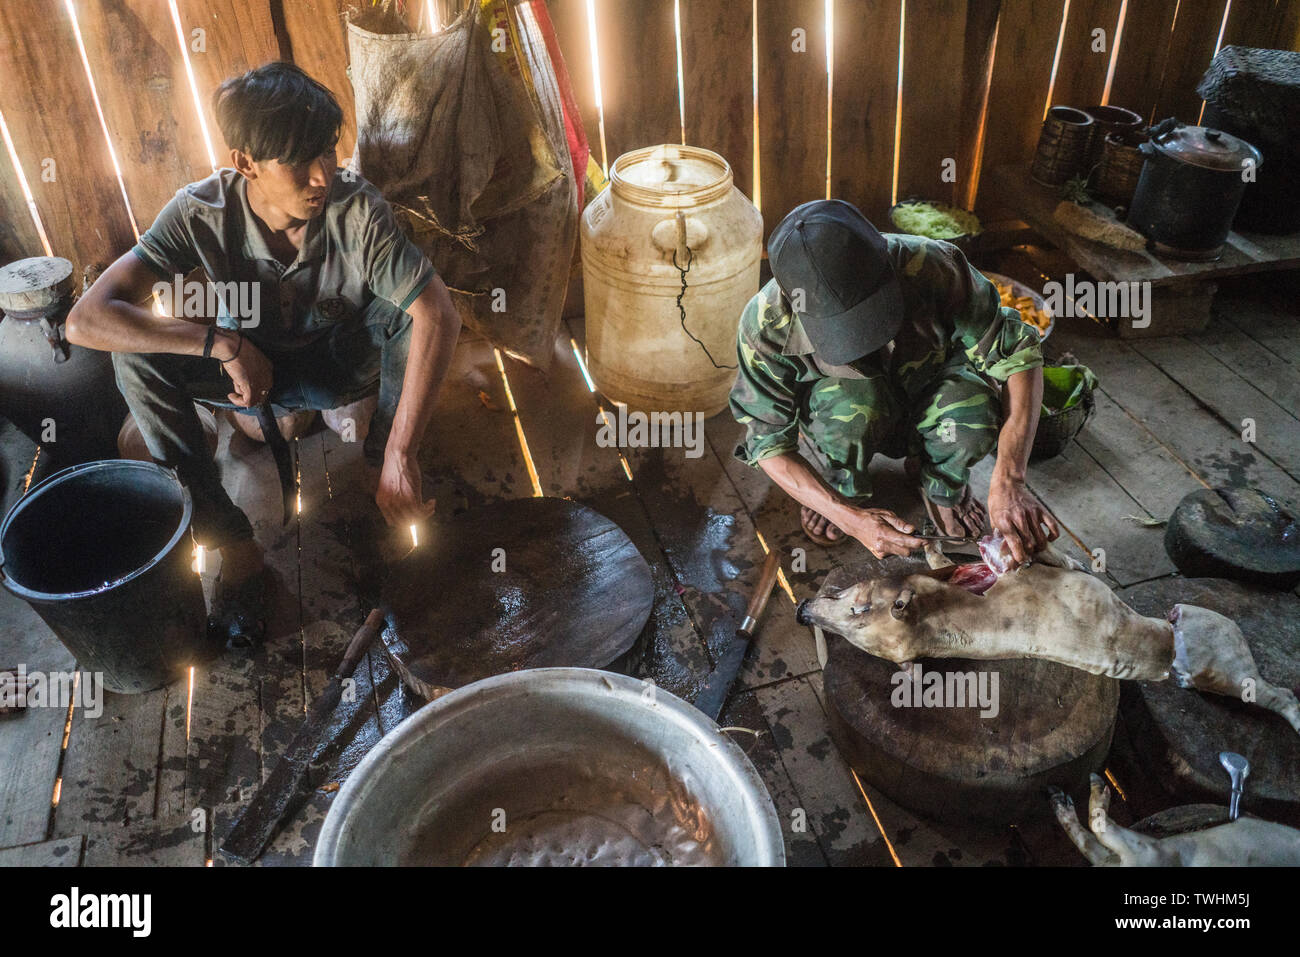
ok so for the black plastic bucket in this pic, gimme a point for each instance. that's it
(102, 552)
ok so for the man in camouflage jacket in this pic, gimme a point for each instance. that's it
(893, 345)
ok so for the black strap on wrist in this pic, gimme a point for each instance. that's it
(207, 341)
(237, 348)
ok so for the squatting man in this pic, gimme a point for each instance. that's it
(894, 345)
(347, 306)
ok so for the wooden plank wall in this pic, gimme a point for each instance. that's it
(864, 104)
(736, 55)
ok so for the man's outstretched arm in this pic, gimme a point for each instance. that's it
(1013, 509)
(114, 316)
(435, 326)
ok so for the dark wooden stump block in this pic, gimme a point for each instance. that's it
(1237, 533)
(1053, 726)
(1179, 732)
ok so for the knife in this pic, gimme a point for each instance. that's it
(949, 539)
(274, 799)
(285, 457)
(718, 684)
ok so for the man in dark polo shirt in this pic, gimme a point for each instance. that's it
(322, 298)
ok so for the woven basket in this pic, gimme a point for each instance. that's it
(1062, 146)
(1116, 177)
(1057, 428)
(1258, 88)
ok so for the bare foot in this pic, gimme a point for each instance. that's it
(240, 561)
(819, 528)
(965, 519)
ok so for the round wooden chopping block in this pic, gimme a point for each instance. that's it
(1053, 726)
(1237, 533)
(1178, 733)
(529, 583)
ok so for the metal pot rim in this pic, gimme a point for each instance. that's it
(769, 842)
(31, 595)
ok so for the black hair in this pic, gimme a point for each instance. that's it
(277, 112)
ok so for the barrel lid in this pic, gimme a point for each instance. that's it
(31, 286)
(1206, 147)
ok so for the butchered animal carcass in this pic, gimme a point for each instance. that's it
(1050, 609)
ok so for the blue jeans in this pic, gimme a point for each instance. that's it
(344, 364)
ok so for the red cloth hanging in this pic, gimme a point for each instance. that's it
(574, 131)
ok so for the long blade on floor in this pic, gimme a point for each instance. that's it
(713, 696)
(283, 454)
(256, 826)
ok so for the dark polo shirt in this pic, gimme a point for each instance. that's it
(352, 253)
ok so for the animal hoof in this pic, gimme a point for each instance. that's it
(1058, 797)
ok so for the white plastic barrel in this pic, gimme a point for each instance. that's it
(664, 200)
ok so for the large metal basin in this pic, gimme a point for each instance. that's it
(554, 766)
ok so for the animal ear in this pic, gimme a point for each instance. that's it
(899, 609)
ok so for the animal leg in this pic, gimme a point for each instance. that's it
(1211, 654)
(1132, 848)
(1281, 700)
(1051, 555)
(934, 556)
(1079, 836)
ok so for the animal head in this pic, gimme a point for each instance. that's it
(878, 615)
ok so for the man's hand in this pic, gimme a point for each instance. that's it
(1020, 517)
(399, 495)
(881, 531)
(249, 371)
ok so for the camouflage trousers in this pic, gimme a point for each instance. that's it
(949, 427)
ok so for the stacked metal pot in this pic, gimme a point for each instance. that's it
(1180, 185)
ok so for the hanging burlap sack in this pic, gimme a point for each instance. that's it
(463, 131)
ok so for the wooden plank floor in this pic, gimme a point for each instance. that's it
(158, 778)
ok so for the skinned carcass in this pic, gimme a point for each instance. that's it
(1050, 609)
(1245, 842)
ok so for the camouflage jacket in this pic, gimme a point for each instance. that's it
(952, 317)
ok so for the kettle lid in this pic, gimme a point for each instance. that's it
(1206, 147)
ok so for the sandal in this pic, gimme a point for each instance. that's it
(239, 612)
(932, 514)
(821, 540)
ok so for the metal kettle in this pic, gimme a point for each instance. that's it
(1191, 185)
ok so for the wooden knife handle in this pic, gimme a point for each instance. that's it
(367, 633)
(758, 600)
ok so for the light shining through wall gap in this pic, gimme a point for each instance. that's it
(99, 112)
(26, 189)
(898, 102)
(1223, 26)
(595, 82)
(1114, 52)
(194, 84)
(1056, 57)
(830, 88)
(681, 81)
